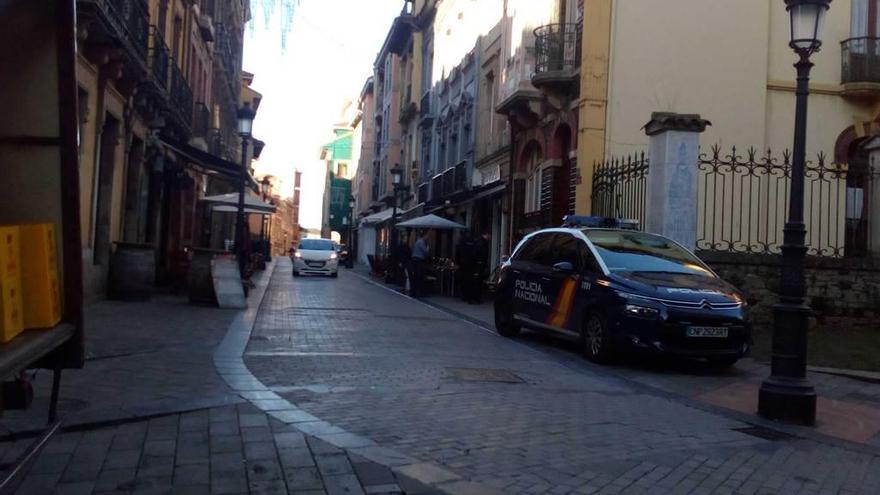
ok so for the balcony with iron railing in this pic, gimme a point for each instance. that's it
(134, 19)
(180, 96)
(201, 120)
(557, 56)
(425, 116)
(159, 58)
(118, 22)
(460, 172)
(860, 73)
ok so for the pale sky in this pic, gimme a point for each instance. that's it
(330, 53)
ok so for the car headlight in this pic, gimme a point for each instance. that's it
(641, 311)
(297, 255)
(333, 256)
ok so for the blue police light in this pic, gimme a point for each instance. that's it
(597, 222)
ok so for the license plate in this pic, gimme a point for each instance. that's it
(716, 332)
(316, 264)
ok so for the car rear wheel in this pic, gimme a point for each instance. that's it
(504, 323)
(595, 341)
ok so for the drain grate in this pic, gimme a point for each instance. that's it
(766, 433)
(484, 375)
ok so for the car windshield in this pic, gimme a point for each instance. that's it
(316, 245)
(640, 252)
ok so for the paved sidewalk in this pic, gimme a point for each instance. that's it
(142, 358)
(513, 416)
(848, 409)
(149, 362)
(225, 450)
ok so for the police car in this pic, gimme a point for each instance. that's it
(615, 288)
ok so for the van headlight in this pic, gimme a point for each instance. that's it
(637, 311)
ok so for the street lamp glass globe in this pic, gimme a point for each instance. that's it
(396, 175)
(246, 117)
(807, 23)
(266, 185)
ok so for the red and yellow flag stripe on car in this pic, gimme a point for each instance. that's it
(562, 307)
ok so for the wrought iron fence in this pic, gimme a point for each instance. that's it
(860, 60)
(557, 48)
(743, 201)
(620, 187)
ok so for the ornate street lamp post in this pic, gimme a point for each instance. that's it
(787, 395)
(351, 250)
(396, 180)
(246, 117)
(265, 185)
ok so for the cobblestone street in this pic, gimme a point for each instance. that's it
(346, 387)
(513, 417)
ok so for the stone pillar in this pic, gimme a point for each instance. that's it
(671, 206)
(872, 195)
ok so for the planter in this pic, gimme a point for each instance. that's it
(132, 271)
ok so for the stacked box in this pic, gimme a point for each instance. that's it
(11, 318)
(41, 295)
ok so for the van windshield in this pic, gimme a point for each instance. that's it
(640, 252)
(316, 245)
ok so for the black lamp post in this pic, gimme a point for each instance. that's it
(787, 395)
(246, 117)
(396, 180)
(351, 250)
(265, 185)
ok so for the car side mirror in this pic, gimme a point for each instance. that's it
(563, 266)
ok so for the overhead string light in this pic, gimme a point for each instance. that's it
(273, 15)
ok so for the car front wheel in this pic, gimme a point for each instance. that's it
(504, 322)
(296, 273)
(595, 340)
(334, 274)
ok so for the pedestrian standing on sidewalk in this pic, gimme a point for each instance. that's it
(464, 259)
(479, 269)
(420, 255)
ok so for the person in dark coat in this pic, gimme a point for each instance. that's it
(479, 269)
(464, 259)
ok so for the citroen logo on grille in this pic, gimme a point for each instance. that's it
(706, 304)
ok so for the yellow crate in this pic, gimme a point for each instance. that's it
(11, 322)
(41, 296)
(9, 251)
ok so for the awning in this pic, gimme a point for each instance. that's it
(209, 161)
(490, 191)
(234, 209)
(377, 217)
(430, 222)
(229, 202)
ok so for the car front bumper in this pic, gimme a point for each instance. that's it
(316, 267)
(668, 335)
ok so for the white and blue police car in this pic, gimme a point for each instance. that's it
(614, 288)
